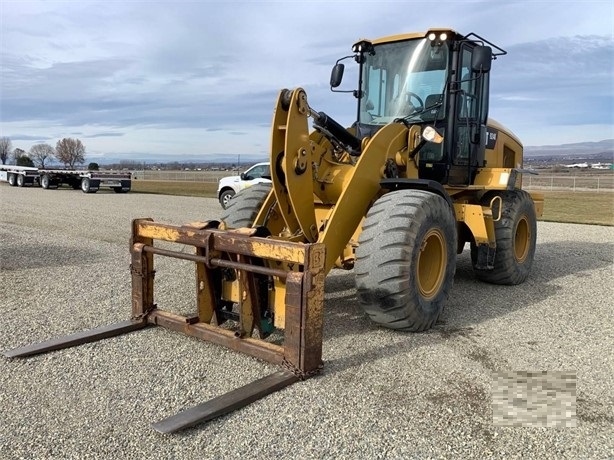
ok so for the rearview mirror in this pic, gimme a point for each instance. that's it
(336, 75)
(481, 59)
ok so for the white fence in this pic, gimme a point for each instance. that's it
(597, 183)
(183, 176)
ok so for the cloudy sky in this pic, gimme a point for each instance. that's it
(135, 79)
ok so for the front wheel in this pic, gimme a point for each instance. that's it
(225, 197)
(515, 235)
(406, 259)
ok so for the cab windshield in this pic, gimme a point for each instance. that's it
(404, 80)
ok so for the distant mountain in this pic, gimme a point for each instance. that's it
(589, 150)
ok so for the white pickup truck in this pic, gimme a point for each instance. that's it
(230, 186)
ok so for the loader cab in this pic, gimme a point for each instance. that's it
(440, 79)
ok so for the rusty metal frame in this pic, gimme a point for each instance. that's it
(301, 351)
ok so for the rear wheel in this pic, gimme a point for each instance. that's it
(21, 180)
(406, 259)
(244, 207)
(515, 234)
(12, 180)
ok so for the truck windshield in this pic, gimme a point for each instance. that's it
(404, 79)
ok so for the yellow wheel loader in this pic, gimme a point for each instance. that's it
(420, 174)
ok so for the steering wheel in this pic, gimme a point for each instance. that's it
(409, 96)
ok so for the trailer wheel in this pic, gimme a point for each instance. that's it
(406, 259)
(12, 180)
(45, 181)
(21, 180)
(515, 234)
(244, 207)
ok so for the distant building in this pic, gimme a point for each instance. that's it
(591, 165)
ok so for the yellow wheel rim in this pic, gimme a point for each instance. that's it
(432, 262)
(522, 240)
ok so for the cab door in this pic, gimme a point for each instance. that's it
(471, 112)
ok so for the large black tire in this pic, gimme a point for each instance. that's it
(21, 180)
(406, 259)
(225, 197)
(245, 205)
(515, 234)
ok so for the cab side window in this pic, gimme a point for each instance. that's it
(468, 100)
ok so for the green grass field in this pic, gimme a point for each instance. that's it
(571, 207)
(579, 207)
(180, 188)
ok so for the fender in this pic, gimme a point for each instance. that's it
(398, 183)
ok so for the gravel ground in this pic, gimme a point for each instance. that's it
(382, 394)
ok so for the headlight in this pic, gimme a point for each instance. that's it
(430, 134)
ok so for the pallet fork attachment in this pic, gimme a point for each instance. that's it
(254, 261)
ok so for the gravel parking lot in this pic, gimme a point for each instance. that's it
(64, 267)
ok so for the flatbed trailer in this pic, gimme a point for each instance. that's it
(18, 175)
(87, 181)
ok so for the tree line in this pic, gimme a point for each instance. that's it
(69, 152)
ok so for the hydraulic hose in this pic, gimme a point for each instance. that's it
(340, 133)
